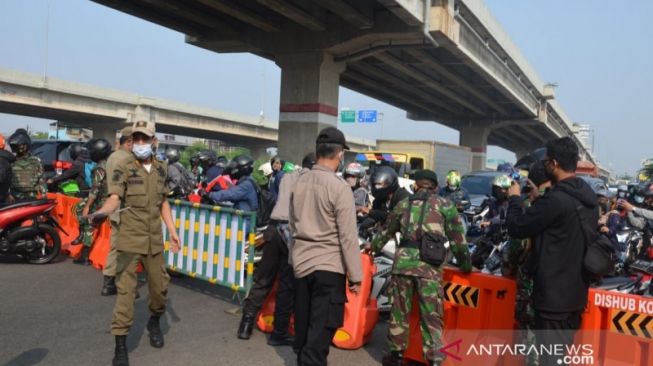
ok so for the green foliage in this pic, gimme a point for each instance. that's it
(190, 151)
(257, 175)
(39, 135)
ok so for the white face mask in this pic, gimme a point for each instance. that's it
(142, 152)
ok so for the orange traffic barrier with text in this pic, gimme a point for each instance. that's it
(478, 308)
(361, 313)
(617, 329)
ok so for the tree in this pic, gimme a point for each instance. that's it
(39, 135)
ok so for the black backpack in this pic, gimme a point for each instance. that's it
(600, 255)
(265, 205)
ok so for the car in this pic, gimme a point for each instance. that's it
(54, 155)
(479, 185)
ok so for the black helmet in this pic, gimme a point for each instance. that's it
(195, 160)
(243, 165)
(309, 161)
(384, 180)
(172, 154)
(20, 142)
(222, 162)
(98, 149)
(207, 158)
(75, 150)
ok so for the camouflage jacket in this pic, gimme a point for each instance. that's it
(27, 177)
(440, 216)
(99, 187)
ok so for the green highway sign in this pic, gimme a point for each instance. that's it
(347, 116)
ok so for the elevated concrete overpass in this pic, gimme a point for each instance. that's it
(106, 111)
(447, 61)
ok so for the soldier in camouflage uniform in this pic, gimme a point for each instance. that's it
(99, 150)
(412, 275)
(27, 171)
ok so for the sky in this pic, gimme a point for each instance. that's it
(597, 51)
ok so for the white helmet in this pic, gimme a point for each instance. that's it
(266, 169)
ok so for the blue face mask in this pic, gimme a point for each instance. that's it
(142, 152)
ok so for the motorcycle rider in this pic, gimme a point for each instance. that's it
(387, 193)
(180, 180)
(499, 202)
(353, 174)
(277, 174)
(99, 150)
(76, 172)
(454, 192)
(641, 218)
(422, 216)
(207, 160)
(243, 194)
(6, 158)
(27, 171)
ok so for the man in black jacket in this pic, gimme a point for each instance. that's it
(559, 284)
(6, 158)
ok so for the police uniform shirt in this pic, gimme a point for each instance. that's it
(143, 193)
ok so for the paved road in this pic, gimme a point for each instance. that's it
(54, 315)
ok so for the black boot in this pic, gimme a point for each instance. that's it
(276, 340)
(109, 286)
(83, 257)
(246, 326)
(120, 357)
(156, 336)
(394, 358)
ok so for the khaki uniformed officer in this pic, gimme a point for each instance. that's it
(138, 183)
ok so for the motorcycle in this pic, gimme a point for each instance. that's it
(28, 231)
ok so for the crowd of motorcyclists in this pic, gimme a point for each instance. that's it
(624, 217)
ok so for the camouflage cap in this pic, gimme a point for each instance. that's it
(145, 127)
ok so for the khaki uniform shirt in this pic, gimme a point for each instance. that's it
(143, 192)
(323, 223)
(116, 156)
(280, 211)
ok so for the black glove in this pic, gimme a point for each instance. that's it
(378, 215)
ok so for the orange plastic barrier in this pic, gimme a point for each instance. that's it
(265, 319)
(64, 213)
(101, 245)
(619, 328)
(361, 313)
(478, 308)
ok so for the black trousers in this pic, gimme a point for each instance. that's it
(274, 262)
(319, 312)
(555, 329)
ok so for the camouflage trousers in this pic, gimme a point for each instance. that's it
(429, 295)
(525, 314)
(86, 230)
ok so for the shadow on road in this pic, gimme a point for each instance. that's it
(206, 288)
(28, 358)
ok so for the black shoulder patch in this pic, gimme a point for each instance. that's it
(161, 171)
(117, 175)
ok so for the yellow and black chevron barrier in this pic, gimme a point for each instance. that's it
(214, 240)
(461, 294)
(635, 324)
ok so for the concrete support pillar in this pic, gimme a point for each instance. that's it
(475, 137)
(105, 130)
(309, 101)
